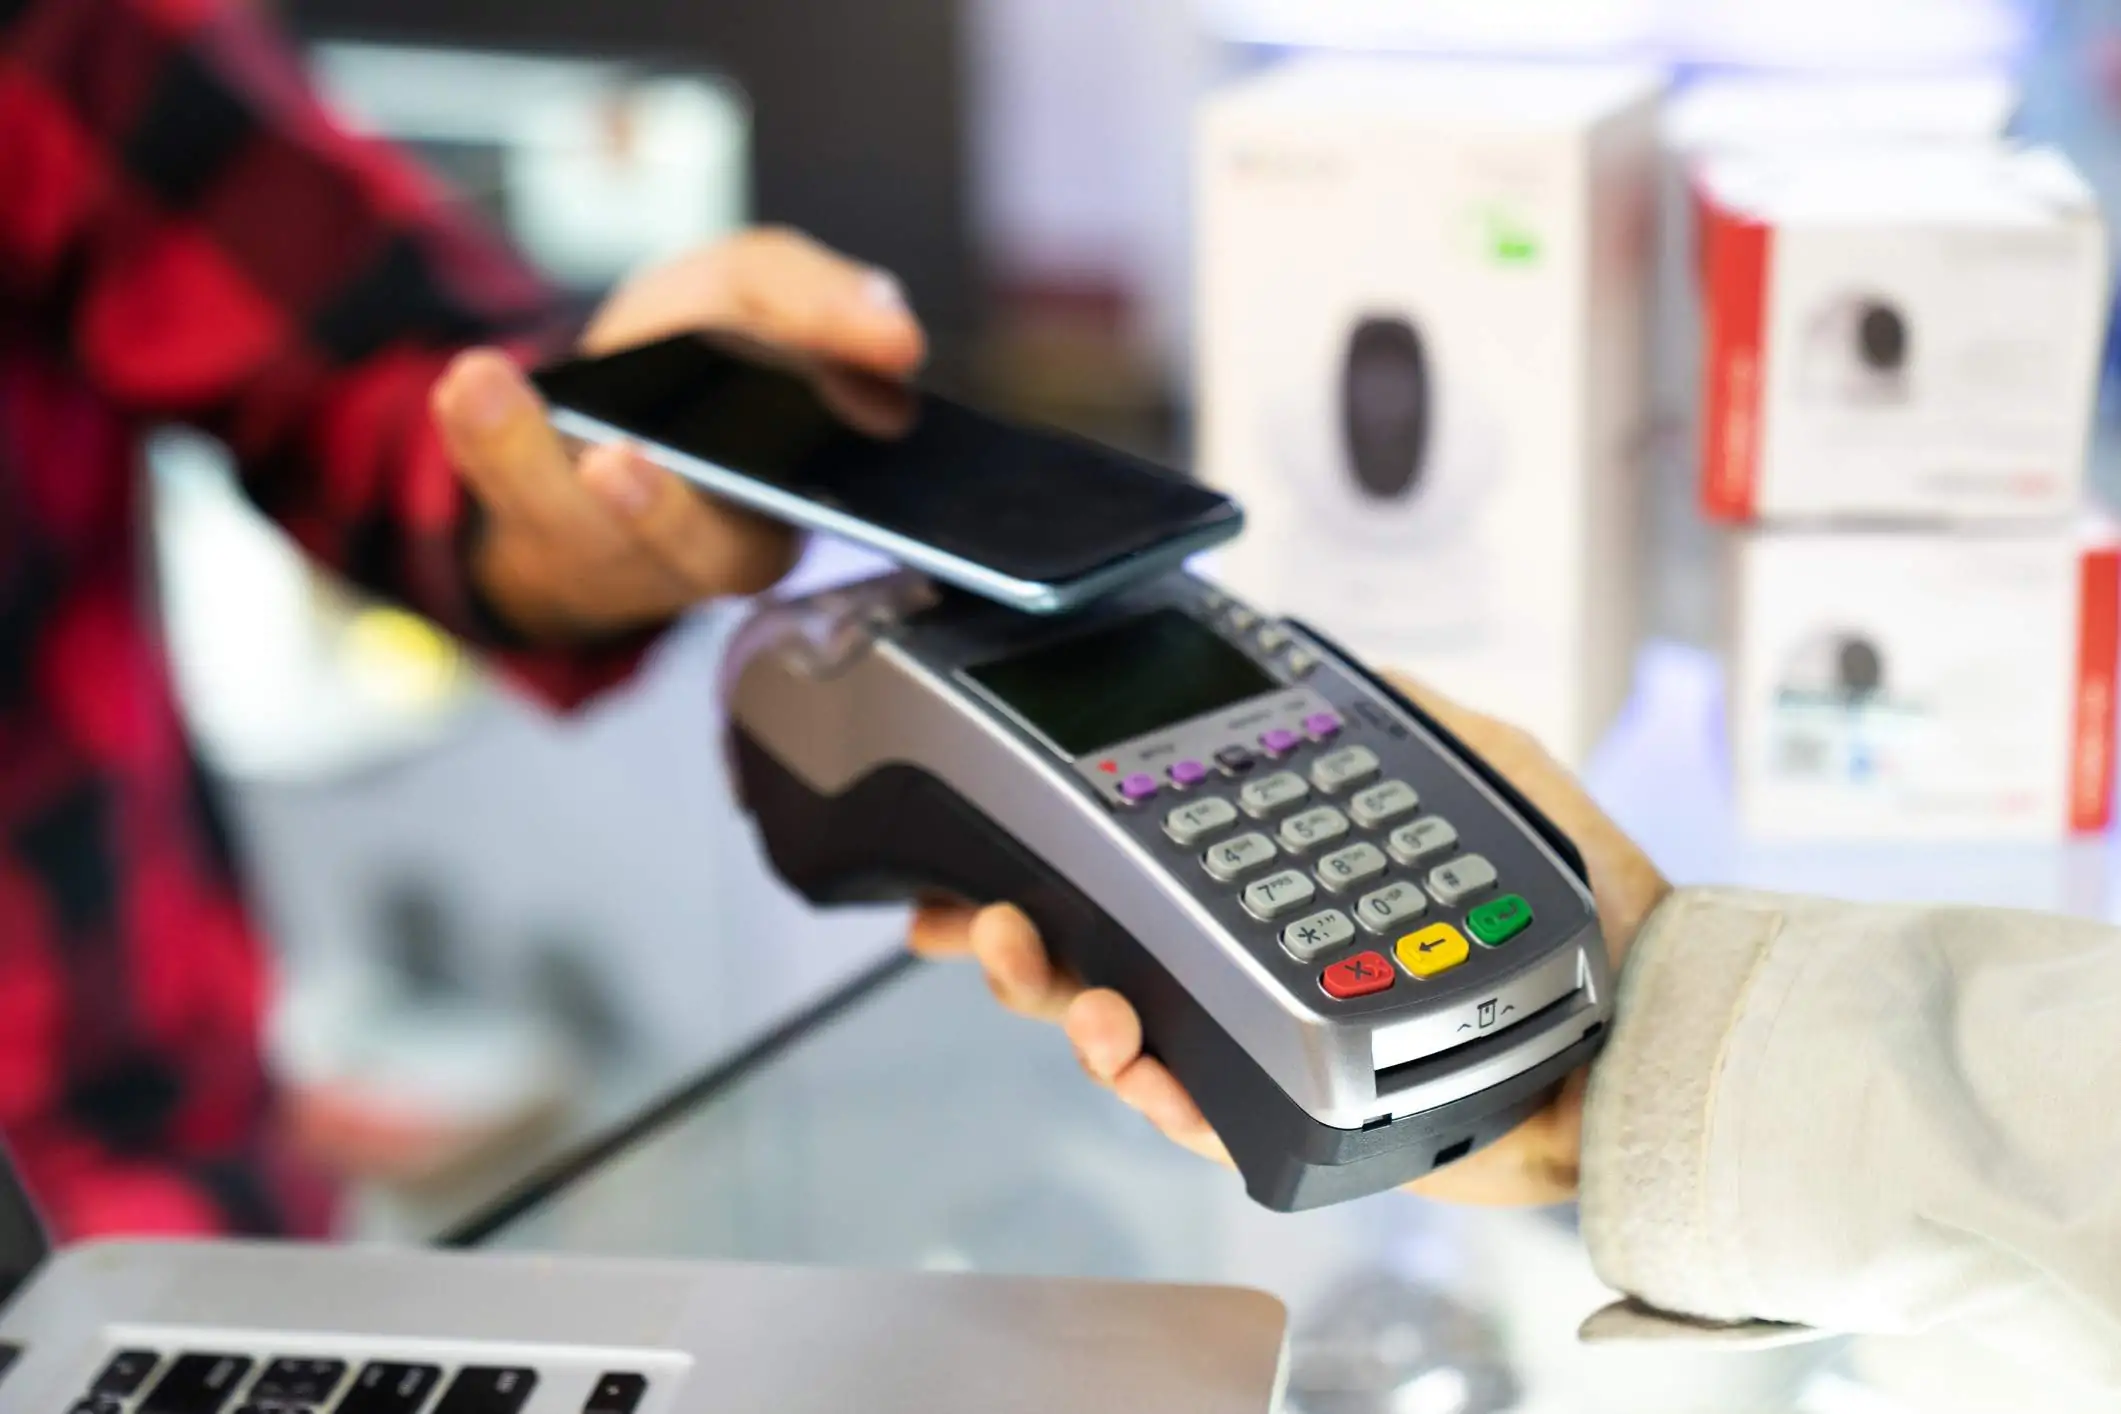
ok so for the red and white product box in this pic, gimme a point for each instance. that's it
(1898, 332)
(1924, 685)
(1721, 114)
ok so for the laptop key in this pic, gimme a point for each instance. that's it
(126, 1372)
(488, 1389)
(616, 1393)
(196, 1384)
(384, 1388)
(100, 1404)
(297, 1381)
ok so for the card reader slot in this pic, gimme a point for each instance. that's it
(1469, 1055)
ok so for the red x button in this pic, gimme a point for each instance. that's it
(1357, 976)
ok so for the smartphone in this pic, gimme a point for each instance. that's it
(1035, 519)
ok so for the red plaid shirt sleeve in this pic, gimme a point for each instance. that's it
(213, 248)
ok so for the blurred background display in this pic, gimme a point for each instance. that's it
(1487, 384)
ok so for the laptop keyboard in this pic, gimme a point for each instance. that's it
(148, 1382)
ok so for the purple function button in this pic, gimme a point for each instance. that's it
(1137, 787)
(1279, 742)
(1320, 725)
(1189, 773)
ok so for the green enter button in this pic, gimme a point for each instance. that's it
(1499, 920)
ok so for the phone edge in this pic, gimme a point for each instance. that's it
(1025, 595)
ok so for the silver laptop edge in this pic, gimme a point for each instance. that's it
(734, 1338)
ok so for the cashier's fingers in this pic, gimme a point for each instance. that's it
(1625, 881)
(1534, 1165)
(941, 929)
(1018, 971)
(708, 547)
(1107, 1035)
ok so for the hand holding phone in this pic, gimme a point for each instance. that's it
(1038, 520)
(591, 548)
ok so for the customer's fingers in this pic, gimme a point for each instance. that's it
(774, 285)
(494, 427)
(1021, 975)
(883, 407)
(788, 289)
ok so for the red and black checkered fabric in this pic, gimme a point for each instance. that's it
(187, 236)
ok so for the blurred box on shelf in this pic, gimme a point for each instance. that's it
(1422, 367)
(1722, 114)
(1924, 684)
(1899, 332)
(593, 164)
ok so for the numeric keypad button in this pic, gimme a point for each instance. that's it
(1384, 910)
(1308, 829)
(1279, 895)
(1357, 976)
(1233, 859)
(1461, 878)
(1270, 795)
(1337, 770)
(1190, 824)
(1344, 869)
(1422, 839)
(1309, 938)
(1386, 801)
(1432, 950)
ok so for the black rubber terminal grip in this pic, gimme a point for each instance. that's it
(900, 832)
(1546, 829)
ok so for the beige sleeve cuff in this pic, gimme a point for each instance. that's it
(1862, 1117)
(1650, 1216)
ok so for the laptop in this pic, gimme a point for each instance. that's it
(223, 1327)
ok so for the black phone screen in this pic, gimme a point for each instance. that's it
(1035, 505)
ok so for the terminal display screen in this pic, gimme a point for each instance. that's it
(1119, 682)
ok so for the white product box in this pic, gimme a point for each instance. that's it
(1899, 332)
(1931, 684)
(1720, 114)
(1422, 368)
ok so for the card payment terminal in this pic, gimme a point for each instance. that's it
(1355, 945)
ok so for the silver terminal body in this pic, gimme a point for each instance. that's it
(838, 685)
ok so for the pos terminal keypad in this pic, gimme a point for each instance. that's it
(1348, 837)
